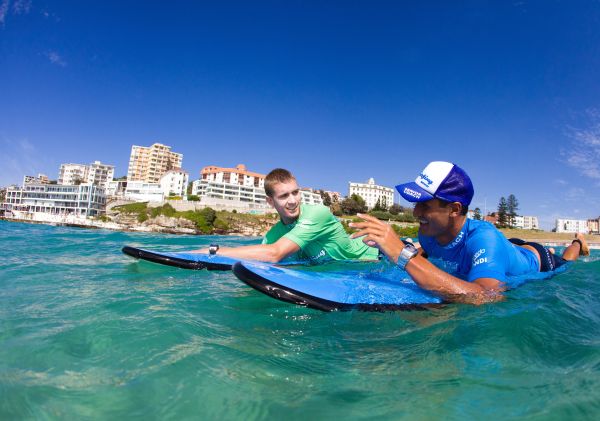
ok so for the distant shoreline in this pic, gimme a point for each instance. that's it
(543, 237)
(550, 238)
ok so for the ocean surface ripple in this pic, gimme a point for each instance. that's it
(89, 333)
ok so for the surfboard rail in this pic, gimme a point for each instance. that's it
(290, 295)
(171, 259)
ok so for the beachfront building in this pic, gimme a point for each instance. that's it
(116, 188)
(593, 226)
(25, 201)
(96, 173)
(149, 164)
(231, 188)
(32, 179)
(371, 193)
(238, 189)
(99, 174)
(571, 225)
(334, 195)
(140, 191)
(526, 222)
(530, 223)
(311, 197)
(238, 175)
(72, 174)
(174, 182)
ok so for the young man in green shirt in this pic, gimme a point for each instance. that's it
(304, 232)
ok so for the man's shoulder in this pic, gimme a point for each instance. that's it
(482, 234)
(477, 229)
(315, 211)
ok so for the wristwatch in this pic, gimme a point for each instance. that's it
(408, 252)
(213, 248)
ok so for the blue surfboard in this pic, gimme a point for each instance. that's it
(182, 260)
(353, 287)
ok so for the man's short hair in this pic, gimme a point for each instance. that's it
(278, 175)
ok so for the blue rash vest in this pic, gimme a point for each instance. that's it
(481, 251)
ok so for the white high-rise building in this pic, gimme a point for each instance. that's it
(149, 164)
(100, 174)
(40, 178)
(530, 223)
(96, 173)
(372, 192)
(72, 174)
(572, 225)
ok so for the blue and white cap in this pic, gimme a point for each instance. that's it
(439, 180)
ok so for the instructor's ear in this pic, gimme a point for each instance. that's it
(270, 201)
(455, 209)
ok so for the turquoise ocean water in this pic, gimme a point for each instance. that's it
(89, 333)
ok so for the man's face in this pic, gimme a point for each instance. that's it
(434, 220)
(286, 201)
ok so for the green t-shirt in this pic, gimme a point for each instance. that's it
(320, 237)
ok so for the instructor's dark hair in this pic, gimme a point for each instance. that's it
(278, 175)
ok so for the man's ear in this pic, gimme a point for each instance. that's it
(270, 201)
(455, 209)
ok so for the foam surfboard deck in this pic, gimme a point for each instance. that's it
(182, 260)
(352, 289)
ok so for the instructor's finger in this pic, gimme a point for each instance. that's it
(369, 218)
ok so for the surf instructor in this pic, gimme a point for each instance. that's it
(304, 232)
(483, 257)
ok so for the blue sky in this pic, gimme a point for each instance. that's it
(334, 91)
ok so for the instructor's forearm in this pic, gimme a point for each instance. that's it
(262, 252)
(431, 278)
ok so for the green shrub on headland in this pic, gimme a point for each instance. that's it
(205, 220)
(412, 231)
(133, 207)
(399, 217)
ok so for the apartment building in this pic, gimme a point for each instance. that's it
(237, 188)
(593, 226)
(71, 174)
(149, 164)
(372, 192)
(100, 174)
(238, 175)
(174, 182)
(571, 225)
(40, 178)
(140, 191)
(96, 173)
(526, 222)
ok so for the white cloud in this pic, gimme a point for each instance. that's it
(584, 151)
(21, 7)
(55, 58)
(3, 10)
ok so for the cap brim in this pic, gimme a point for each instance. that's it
(413, 193)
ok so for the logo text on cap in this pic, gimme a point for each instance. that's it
(426, 180)
(412, 193)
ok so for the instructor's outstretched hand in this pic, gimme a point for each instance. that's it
(378, 234)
